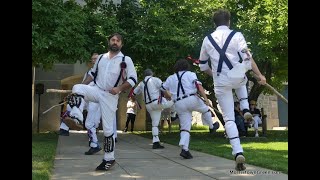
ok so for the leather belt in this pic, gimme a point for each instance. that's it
(185, 96)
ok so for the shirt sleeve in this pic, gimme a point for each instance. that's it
(165, 85)
(204, 56)
(158, 83)
(131, 72)
(138, 89)
(194, 78)
(242, 44)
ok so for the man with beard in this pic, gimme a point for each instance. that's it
(112, 73)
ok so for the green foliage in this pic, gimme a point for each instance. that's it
(264, 23)
(65, 32)
(43, 153)
(157, 33)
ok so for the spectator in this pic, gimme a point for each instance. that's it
(256, 116)
(239, 119)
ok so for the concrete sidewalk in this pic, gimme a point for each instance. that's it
(135, 159)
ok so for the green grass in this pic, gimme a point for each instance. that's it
(269, 152)
(43, 153)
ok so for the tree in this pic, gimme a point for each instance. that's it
(264, 23)
(65, 32)
(157, 33)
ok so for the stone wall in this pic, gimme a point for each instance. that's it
(269, 103)
(52, 80)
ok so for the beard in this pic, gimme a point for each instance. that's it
(114, 48)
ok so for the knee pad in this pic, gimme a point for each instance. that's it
(74, 100)
(108, 144)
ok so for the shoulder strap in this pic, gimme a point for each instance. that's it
(123, 66)
(96, 73)
(222, 52)
(180, 83)
(146, 90)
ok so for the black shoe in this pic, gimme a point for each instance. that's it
(186, 154)
(63, 132)
(93, 150)
(105, 165)
(125, 130)
(216, 126)
(239, 158)
(157, 145)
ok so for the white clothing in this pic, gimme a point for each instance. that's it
(184, 107)
(223, 85)
(92, 122)
(256, 121)
(131, 107)
(62, 124)
(108, 72)
(237, 44)
(152, 105)
(115, 135)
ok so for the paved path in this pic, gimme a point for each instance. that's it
(135, 159)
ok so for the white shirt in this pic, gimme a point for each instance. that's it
(131, 107)
(85, 76)
(220, 35)
(153, 84)
(109, 70)
(188, 82)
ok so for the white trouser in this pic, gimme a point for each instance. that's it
(62, 124)
(92, 122)
(108, 106)
(115, 135)
(223, 91)
(257, 121)
(155, 110)
(184, 108)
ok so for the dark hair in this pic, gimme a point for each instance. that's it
(221, 17)
(181, 65)
(148, 72)
(117, 35)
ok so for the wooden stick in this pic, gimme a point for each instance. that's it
(52, 107)
(270, 88)
(58, 91)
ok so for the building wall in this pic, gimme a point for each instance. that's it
(270, 105)
(52, 80)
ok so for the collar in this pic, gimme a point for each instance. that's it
(119, 54)
(222, 27)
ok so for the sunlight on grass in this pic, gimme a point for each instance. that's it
(270, 152)
(43, 153)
